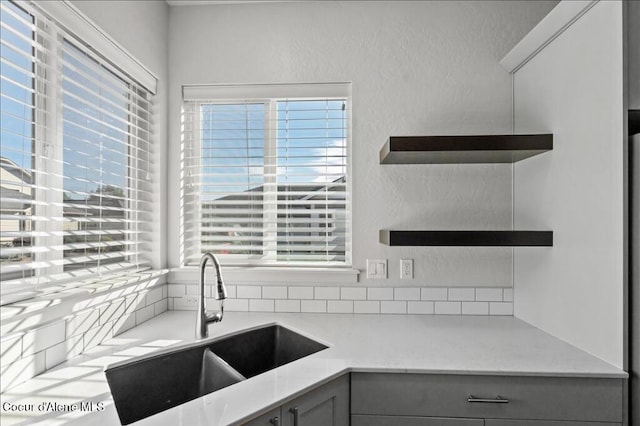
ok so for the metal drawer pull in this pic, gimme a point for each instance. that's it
(497, 400)
(275, 421)
(296, 415)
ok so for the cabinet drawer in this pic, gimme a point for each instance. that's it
(543, 423)
(444, 395)
(412, 421)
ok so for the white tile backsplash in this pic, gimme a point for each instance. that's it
(352, 299)
(274, 292)
(176, 290)
(144, 314)
(507, 295)
(327, 293)
(55, 355)
(500, 308)
(300, 293)
(287, 306)
(475, 308)
(111, 312)
(380, 293)
(261, 305)
(82, 322)
(393, 307)
(128, 321)
(154, 295)
(433, 293)
(95, 336)
(10, 349)
(44, 347)
(313, 306)
(237, 305)
(21, 370)
(194, 290)
(44, 337)
(488, 295)
(353, 293)
(133, 302)
(232, 291)
(63, 351)
(462, 294)
(406, 293)
(340, 306)
(448, 308)
(249, 292)
(40, 347)
(160, 306)
(366, 307)
(422, 307)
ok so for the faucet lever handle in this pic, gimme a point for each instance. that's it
(213, 316)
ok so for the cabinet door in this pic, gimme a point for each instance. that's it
(272, 418)
(490, 422)
(412, 421)
(327, 405)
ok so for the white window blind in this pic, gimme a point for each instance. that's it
(267, 179)
(76, 152)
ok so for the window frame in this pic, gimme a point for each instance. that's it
(194, 97)
(60, 22)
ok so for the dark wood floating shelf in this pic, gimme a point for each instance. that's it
(463, 149)
(467, 238)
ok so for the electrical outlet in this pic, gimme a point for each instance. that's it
(190, 301)
(377, 269)
(406, 269)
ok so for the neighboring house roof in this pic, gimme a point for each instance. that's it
(22, 174)
(14, 191)
(111, 207)
(320, 189)
(14, 200)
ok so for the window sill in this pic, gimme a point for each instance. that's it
(258, 274)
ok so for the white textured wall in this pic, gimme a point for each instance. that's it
(574, 89)
(142, 28)
(417, 68)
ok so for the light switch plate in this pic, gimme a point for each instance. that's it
(377, 269)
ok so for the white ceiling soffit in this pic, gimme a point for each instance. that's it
(219, 2)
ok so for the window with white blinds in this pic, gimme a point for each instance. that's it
(75, 159)
(267, 179)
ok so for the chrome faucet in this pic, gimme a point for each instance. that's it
(204, 316)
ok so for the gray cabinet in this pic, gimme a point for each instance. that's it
(543, 423)
(272, 418)
(327, 405)
(359, 420)
(508, 399)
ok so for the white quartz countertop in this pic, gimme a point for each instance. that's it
(357, 343)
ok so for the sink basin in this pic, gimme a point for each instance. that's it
(153, 383)
(256, 351)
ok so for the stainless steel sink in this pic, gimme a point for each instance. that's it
(153, 383)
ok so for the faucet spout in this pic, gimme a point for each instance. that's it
(205, 317)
